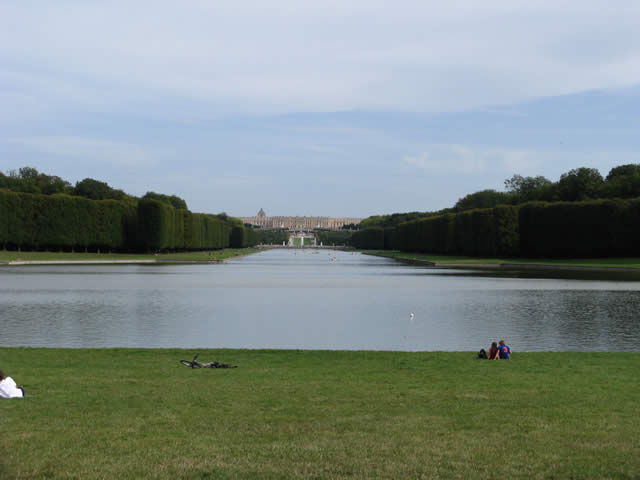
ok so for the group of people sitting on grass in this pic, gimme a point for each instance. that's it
(8, 387)
(497, 351)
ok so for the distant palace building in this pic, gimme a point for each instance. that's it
(299, 223)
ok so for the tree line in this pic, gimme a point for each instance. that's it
(580, 215)
(272, 236)
(30, 180)
(592, 228)
(63, 220)
(578, 184)
(334, 237)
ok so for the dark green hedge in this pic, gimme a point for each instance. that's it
(389, 238)
(214, 232)
(506, 229)
(599, 228)
(162, 227)
(32, 222)
(334, 237)
(488, 231)
(156, 224)
(272, 236)
(242, 237)
(368, 239)
(59, 221)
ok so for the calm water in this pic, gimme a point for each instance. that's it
(296, 299)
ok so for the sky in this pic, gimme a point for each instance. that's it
(333, 108)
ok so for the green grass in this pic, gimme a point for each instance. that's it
(208, 255)
(128, 413)
(7, 256)
(586, 262)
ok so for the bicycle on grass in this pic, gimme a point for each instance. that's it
(196, 364)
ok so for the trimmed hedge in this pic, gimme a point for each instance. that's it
(334, 237)
(487, 231)
(214, 232)
(535, 229)
(599, 228)
(162, 227)
(156, 224)
(389, 238)
(242, 237)
(33, 222)
(59, 221)
(506, 228)
(368, 239)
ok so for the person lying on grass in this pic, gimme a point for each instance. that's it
(8, 387)
(218, 365)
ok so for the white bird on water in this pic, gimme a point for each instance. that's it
(411, 316)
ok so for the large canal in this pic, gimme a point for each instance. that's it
(306, 300)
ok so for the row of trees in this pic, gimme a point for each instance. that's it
(163, 227)
(395, 219)
(32, 221)
(373, 238)
(590, 229)
(580, 214)
(534, 229)
(578, 184)
(490, 231)
(29, 180)
(272, 236)
(334, 237)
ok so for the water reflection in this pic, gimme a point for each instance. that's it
(300, 299)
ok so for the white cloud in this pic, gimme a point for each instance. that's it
(288, 56)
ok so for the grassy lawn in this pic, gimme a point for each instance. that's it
(587, 262)
(129, 413)
(7, 256)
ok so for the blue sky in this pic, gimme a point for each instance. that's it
(318, 108)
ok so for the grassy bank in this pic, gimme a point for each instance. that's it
(201, 256)
(456, 259)
(308, 414)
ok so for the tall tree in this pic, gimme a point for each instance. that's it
(525, 189)
(580, 184)
(173, 200)
(483, 199)
(623, 171)
(622, 182)
(97, 190)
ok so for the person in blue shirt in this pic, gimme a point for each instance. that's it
(504, 351)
